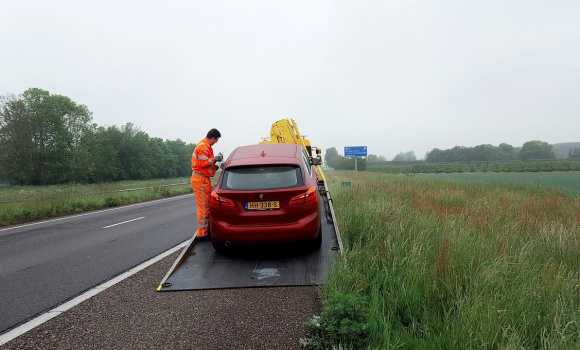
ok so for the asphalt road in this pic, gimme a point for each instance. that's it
(44, 264)
(132, 315)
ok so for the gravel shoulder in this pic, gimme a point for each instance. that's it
(132, 315)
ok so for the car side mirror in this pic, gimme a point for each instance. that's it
(315, 161)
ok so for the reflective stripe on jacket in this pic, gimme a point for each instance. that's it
(202, 159)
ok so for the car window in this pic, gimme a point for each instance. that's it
(262, 177)
(306, 163)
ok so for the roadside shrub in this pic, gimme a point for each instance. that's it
(111, 202)
(343, 321)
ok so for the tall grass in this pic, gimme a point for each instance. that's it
(25, 203)
(447, 265)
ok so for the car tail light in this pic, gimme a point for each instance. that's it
(307, 197)
(220, 202)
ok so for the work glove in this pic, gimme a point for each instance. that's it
(219, 158)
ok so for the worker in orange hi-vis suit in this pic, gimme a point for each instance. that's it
(203, 166)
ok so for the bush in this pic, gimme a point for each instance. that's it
(343, 321)
(111, 202)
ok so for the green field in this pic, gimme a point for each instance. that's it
(421, 167)
(439, 264)
(564, 181)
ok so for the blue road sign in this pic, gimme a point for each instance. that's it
(355, 151)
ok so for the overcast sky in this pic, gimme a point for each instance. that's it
(395, 76)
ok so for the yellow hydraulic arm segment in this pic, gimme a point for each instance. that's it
(286, 131)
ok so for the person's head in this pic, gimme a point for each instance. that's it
(213, 136)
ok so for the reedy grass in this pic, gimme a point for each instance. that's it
(448, 265)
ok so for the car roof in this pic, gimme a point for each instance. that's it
(266, 153)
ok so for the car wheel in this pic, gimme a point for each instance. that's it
(317, 242)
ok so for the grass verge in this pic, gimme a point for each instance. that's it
(20, 204)
(456, 265)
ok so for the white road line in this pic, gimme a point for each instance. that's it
(91, 213)
(124, 222)
(37, 321)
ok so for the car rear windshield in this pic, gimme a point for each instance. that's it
(262, 177)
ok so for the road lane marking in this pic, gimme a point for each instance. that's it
(92, 213)
(124, 222)
(37, 321)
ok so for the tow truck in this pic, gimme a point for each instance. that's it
(199, 266)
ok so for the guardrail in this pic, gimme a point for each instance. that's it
(146, 188)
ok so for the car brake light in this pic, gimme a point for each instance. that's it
(305, 198)
(220, 202)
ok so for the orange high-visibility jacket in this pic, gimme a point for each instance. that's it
(202, 159)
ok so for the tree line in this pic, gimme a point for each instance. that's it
(50, 139)
(485, 153)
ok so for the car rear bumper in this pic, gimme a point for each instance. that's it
(305, 229)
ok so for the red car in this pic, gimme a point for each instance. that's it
(266, 193)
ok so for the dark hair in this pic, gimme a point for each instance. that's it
(213, 133)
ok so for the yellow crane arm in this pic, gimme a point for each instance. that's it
(286, 131)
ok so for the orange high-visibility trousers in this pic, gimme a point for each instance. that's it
(201, 186)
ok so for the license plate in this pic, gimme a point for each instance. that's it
(267, 205)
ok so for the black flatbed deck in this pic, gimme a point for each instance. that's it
(289, 264)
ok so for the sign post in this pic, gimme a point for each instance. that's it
(355, 151)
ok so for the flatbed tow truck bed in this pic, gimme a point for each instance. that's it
(254, 266)
(199, 266)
